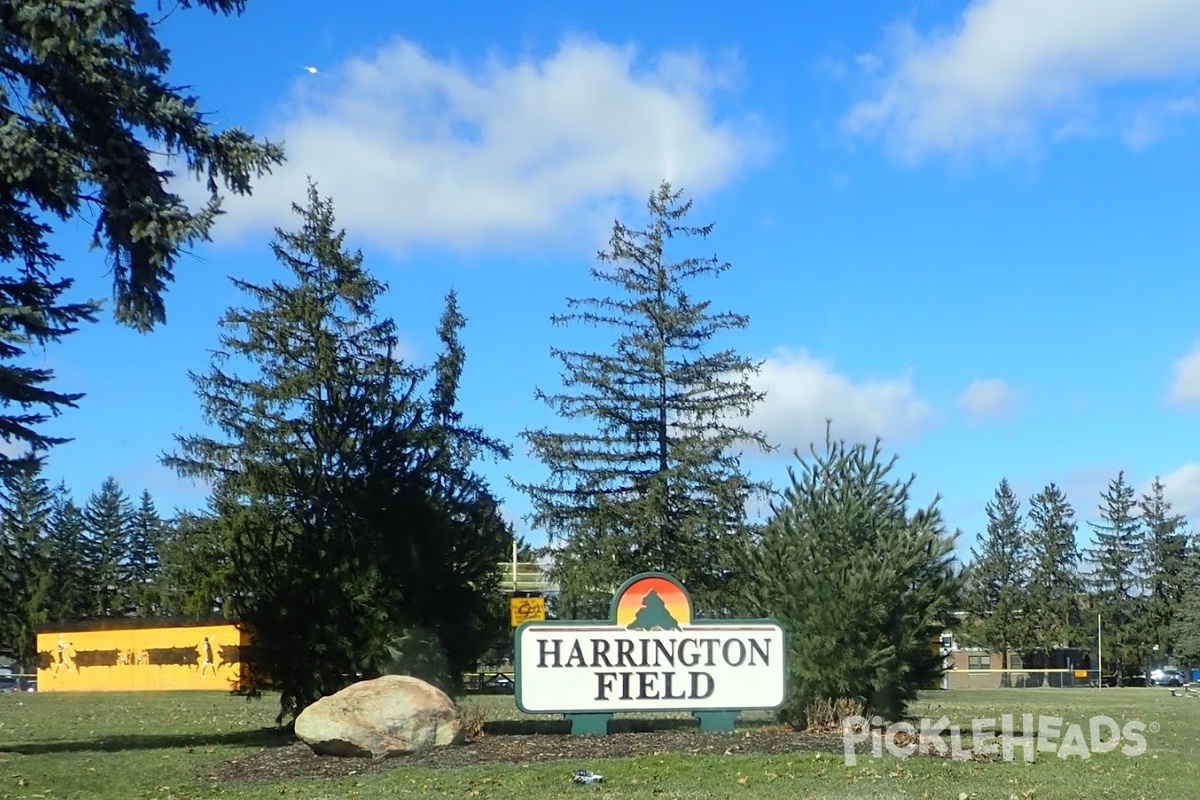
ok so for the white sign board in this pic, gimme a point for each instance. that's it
(652, 656)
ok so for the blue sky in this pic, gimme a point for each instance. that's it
(969, 228)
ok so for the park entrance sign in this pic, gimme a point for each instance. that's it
(651, 655)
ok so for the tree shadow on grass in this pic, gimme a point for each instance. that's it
(257, 737)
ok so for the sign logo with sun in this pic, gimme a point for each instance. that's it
(652, 603)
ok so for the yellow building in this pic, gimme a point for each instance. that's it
(140, 655)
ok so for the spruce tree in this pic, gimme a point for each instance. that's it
(460, 534)
(194, 574)
(108, 522)
(350, 519)
(141, 571)
(646, 473)
(1115, 581)
(26, 502)
(88, 110)
(862, 583)
(71, 596)
(1185, 624)
(34, 314)
(997, 596)
(1163, 565)
(1055, 583)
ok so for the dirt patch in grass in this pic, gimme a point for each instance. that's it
(296, 759)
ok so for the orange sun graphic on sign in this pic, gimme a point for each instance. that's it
(653, 603)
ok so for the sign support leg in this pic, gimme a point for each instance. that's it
(716, 720)
(589, 724)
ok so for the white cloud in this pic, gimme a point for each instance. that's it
(868, 62)
(1008, 65)
(988, 398)
(416, 150)
(803, 392)
(1185, 388)
(1182, 489)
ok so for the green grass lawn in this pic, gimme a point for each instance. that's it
(151, 745)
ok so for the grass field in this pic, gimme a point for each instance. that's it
(131, 746)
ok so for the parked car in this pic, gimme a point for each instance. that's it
(15, 683)
(1168, 676)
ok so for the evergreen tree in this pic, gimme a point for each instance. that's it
(87, 111)
(997, 596)
(1185, 624)
(657, 483)
(34, 315)
(26, 502)
(108, 522)
(458, 534)
(141, 573)
(1163, 564)
(194, 574)
(71, 595)
(1054, 584)
(348, 515)
(1115, 582)
(861, 583)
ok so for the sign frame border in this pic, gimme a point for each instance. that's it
(612, 620)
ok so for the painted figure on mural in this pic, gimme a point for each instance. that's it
(64, 657)
(207, 657)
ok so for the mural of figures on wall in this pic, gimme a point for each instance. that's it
(206, 657)
(172, 656)
(64, 656)
(141, 655)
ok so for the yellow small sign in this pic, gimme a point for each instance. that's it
(528, 608)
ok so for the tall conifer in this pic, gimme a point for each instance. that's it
(1115, 580)
(997, 596)
(645, 472)
(352, 520)
(1055, 584)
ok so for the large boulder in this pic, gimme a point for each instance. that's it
(387, 716)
